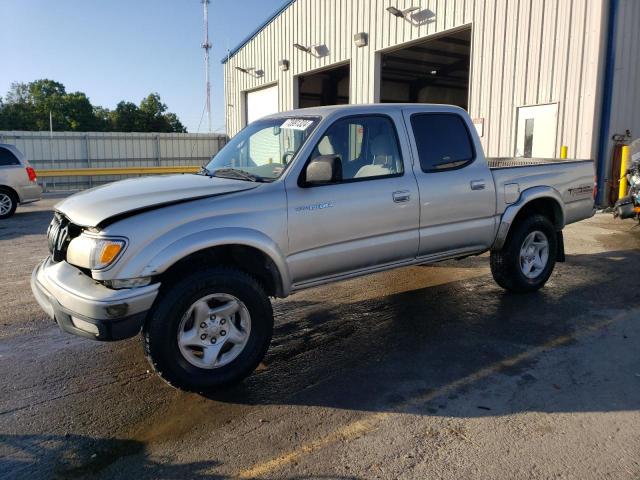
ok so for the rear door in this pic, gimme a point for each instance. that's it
(368, 219)
(457, 193)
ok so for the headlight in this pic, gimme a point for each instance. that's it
(94, 253)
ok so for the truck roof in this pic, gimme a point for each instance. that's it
(366, 108)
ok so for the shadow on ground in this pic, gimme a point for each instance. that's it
(377, 354)
(76, 456)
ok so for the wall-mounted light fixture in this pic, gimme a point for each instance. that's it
(361, 39)
(284, 65)
(318, 50)
(302, 48)
(414, 15)
(401, 13)
(251, 71)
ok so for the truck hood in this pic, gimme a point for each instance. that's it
(95, 206)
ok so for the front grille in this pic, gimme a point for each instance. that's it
(59, 234)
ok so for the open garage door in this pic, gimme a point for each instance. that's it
(433, 71)
(328, 87)
(261, 103)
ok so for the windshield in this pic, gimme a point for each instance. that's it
(263, 150)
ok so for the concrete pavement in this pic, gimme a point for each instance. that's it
(424, 372)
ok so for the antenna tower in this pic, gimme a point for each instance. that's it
(206, 45)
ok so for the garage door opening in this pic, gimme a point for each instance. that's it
(434, 71)
(328, 87)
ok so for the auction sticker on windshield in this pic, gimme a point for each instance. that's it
(297, 124)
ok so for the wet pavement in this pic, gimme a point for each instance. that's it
(423, 372)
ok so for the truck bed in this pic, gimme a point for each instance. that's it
(571, 179)
(510, 162)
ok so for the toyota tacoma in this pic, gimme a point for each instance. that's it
(293, 201)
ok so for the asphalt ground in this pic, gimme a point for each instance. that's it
(423, 372)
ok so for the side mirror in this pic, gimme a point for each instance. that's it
(323, 170)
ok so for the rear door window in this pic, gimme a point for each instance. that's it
(7, 158)
(442, 140)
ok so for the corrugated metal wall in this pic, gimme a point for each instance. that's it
(110, 150)
(524, 52)
(625, 105)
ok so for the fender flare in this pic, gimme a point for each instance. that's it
(526, 197)
(217, 237)
(12, 190)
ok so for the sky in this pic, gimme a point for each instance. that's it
(115, 50)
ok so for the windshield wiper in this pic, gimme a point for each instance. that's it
(204, 171)
(237, 174)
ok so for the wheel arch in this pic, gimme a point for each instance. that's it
(538, 200)
(250, 251)
(11, 190)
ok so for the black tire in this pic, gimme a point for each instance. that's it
(160, 331)
(4, 194)
(505, 263)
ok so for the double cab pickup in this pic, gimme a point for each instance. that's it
(293, 201)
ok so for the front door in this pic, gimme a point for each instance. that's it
(369, 218)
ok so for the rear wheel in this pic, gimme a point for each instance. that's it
(528, 257)
(8, 203)
(209, 330)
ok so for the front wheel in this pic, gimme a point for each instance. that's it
(528, 257)
(209, 330)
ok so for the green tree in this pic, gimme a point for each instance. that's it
(126, 118)
(175, 125)
(27, 106)
(102, 119)
(154, 118)
(47, 96)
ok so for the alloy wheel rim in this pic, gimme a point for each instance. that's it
(534, 254)
(5, 203)
(214, 330)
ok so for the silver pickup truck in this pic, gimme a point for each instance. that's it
(296, 200)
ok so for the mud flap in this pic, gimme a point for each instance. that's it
(560, 257)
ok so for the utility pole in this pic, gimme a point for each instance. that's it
(207, 46)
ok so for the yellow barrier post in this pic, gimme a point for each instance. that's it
(622, 189)
(564, 150)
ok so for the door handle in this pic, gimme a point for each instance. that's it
(478, 185)
(401, 196)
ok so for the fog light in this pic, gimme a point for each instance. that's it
(116, 311)
(84, 325)
(128, 283)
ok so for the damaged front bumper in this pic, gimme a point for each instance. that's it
(84, 307)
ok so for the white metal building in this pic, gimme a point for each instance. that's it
(534, 74)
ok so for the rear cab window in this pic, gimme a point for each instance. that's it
(442, 140)
(7, 158)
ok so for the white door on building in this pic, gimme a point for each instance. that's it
(537, 131)
(261, 103)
